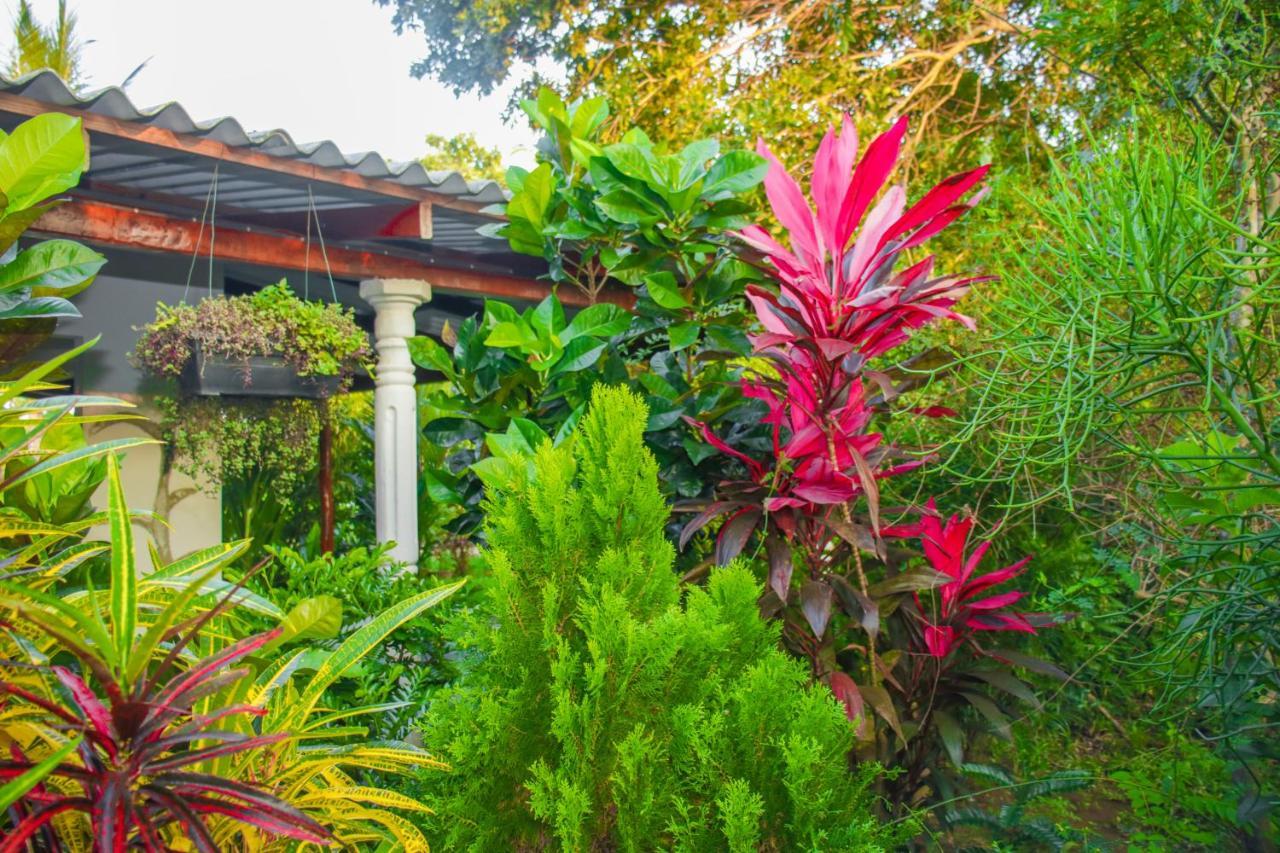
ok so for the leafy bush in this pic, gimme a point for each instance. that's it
(40, 158)
(597, 709)
(611, 218)
(398, 676)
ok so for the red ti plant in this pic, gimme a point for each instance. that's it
(839, 304)
(139, 776)
(839, 308)
(963, 606)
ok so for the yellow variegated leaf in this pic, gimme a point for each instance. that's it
(408, 837)
(362, 794)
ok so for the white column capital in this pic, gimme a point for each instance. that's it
(395, 409)
(377, 291)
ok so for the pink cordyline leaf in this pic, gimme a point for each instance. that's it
(944, 543)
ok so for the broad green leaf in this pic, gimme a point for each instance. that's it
(734, 173)
(634, 161)
(588, 115)
(579, 354)
(428, 353)
(438, 490)
(499, 312)
(693, 161)
(601, 320)
(363, 641)
(40, 306)
(627, 208)
(683, 335)
(42, 157)
(533, 201)
(52, 268)
(548, 317)
(508, 335)
(124, 575)
(664, 290)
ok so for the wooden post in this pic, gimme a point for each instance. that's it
(326, 479)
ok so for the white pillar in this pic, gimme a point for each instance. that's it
(395, 411)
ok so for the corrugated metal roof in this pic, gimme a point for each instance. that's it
(114, 103)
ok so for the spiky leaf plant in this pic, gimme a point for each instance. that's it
(602, 711)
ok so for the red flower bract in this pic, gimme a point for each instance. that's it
(961, 611)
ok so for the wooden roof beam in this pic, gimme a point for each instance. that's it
(106, 224)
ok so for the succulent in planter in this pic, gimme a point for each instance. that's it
(248, 369)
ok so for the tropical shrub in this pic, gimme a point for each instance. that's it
(597, 709)
(616, 220)
(177, 739)
(42, 157)
(839, 308)
(400, 674)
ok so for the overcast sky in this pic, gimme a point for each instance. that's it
(319, 69)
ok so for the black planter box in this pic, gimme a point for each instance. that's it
(269, 376)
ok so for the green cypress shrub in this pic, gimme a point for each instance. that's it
(599, 711)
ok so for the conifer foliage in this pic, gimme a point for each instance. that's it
(600, 711)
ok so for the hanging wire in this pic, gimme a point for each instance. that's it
(333, 291)
(213, 227)
(210, 199)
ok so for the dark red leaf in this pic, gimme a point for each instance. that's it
(735, 534)
(815, 602)
(780, 566)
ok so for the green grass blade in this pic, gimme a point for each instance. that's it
(15, 789)
(124, 577)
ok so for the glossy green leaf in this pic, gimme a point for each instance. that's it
(665, 290)
(52, 268)
(42, 157)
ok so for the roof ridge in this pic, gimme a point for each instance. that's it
(47, 86)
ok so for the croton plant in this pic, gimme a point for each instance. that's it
(837, 307)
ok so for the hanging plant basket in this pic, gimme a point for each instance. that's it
(211, 375)
(246, 369)
(265, 344)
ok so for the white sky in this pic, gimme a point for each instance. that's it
(319, 69)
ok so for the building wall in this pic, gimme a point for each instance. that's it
(115, 306)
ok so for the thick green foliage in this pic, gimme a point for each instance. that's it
(600, 710)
